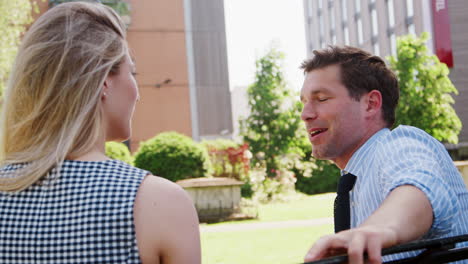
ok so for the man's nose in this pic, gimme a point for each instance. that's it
(308, 112)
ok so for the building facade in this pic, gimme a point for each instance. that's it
(180, 52)
(374, 26)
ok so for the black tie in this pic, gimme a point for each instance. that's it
(342, 210)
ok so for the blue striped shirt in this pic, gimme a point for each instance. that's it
(409, 156)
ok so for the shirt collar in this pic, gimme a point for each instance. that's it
(353, 166)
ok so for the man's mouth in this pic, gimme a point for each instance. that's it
(315, 132)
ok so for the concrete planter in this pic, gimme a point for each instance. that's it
(215, 199)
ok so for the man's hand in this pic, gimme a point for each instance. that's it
(404, 216)
(354, 242)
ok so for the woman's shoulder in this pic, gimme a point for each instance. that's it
(160, 192)
(163, 212)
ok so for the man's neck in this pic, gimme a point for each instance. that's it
(343, 161)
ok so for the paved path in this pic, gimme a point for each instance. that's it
(264, 225)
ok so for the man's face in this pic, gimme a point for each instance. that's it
(334, 121)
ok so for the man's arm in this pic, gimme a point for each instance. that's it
(405, 215)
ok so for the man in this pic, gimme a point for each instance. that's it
(406, 187)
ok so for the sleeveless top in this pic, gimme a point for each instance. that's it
(85, 215)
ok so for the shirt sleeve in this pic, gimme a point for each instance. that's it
(415, 162)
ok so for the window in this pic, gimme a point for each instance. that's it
(321, 29)
(411, 29)
(357, 4)
(310, 22)
(390, 13)
(359, 29)
(375, 46)
(391, 26)
(374, 28)
(346, 36)
(393, 43)
(310, 7)
(331, 15)
(344, 10)
(409, 8)
(357, 17)
(344, 16)
(410, 17)
(375, 22)
(320, 23)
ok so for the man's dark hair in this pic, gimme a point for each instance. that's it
(361, 72)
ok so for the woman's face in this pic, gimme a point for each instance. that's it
(119, 97)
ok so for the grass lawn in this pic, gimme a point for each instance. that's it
(301, 208)
(263, 246)
(298, 207)
(274, 245)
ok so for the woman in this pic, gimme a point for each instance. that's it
(62, 200)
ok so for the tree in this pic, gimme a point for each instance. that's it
(274, 119)
(15, 16)
(120, 6)
(425, 90)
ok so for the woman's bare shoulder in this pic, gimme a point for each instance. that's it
(165, 221)
(162, 199)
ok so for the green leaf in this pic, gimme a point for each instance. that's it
(426, 90)
(15, 15)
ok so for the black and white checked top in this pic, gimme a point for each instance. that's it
(83, 216)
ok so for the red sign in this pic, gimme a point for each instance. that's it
(442, 36)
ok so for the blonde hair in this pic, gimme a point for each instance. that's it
(52, 107)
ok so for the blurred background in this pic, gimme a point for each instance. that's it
(196, 58)
(219, 112)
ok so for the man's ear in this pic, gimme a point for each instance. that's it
(373, 102)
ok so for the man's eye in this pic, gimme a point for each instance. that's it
(322, 99)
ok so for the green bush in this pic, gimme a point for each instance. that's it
(314, 176)
(323, 178)
(265, 188)
(173, 156)
(220, 143)
(247, 190)
(118, 151)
